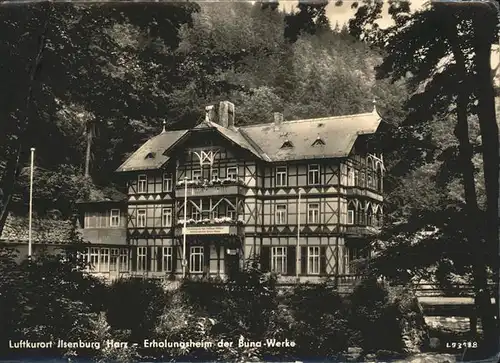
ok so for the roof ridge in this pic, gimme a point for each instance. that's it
(311, 119)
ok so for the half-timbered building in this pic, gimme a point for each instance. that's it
(297, 197)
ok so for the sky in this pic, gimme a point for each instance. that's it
(342, 14)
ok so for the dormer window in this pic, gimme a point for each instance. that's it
(150, 155)
(286, 144)
(318, 141)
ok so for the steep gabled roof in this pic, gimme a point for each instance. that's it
(151, 155)
(231, 134)
(338, 134)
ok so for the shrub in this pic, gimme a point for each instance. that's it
(135, 305)
(320, 325)
(180, 322)
(376, 307)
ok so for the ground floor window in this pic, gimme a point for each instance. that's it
(313, 257)
(141, 258)
(196, 259)
(123, 267)
(94, 258)
(278, 260)
(167, 259)
(113, 262)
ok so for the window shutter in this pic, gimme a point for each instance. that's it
(148, 258)
(159, 259)
(291, 260)
(322, 260)
(303, 260)
(134, 258)
(206, 259)
(265, 258)
(174, 259)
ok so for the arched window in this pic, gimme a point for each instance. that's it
(380, 178)
(378, 218)
(361, 215)
(369, 216)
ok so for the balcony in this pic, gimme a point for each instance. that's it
(357, 191)
(362, 231)
(218, 187)
(111, 236)
(207, 227)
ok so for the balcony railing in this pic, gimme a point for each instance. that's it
(362, 230)
(217, 226)
(199, 188)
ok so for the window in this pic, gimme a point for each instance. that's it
(83, 256)
(281, 178)
(141, 258)
(113, 263)
(232, 172)
(356, 177)
(369, 216)
(195, 213)
(94, 259)
(196, 174)
(378, 218)
(167, 182)
(360, 218)
(350, 215)
(231, 212)
(350, 176)
(104, 260)
(123, 260)
(287, 144)
(166, 217)
(214, 214)
(141, 218)
(313, 260)
(278, 260)
(215, 174)
(313, 213)
(142, 183)
(369, 181)
(380, 179)
(167, 259)
(281, 214)
(313, 174)
(196, 260)
(115, 218)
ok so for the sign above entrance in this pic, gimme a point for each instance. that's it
(207, 230)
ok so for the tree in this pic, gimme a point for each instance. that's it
(311, 19)
(456, 82)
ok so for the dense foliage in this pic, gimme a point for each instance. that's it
(314, 320)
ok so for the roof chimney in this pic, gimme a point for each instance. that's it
(226, 114)
(278, 118)
(210, 113)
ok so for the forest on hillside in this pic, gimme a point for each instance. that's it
(120, 72)
(112, 75)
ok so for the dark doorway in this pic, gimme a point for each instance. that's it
(232, 262)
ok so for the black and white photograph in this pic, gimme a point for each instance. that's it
(249, 181)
